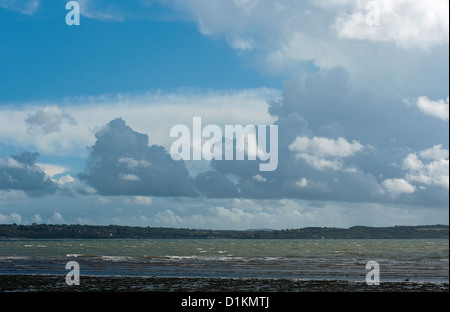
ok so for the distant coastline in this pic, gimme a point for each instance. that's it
(48, 231)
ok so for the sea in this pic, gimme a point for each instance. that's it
(424, 260)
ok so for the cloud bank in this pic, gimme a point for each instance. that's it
(331, 147)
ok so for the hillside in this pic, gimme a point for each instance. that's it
(47, 231)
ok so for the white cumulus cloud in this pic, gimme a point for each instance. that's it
(406, 23)
(324, 153)
(428, 167)
(325, 147)
(438, 109)
(398, 186)
(139, 200)
(11, 218)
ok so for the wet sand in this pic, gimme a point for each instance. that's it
(56, 283)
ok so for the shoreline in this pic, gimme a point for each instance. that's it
(56, 283)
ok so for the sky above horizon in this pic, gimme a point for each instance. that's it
(359, 91)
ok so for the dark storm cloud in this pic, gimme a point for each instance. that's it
(20, 172)
(358, 139)
(215, 185)
(333, 105)
(122, 163)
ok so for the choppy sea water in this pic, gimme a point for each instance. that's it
(399, 260)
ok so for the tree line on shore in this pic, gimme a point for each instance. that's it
(76, 231)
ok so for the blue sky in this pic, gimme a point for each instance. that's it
(45, 59)
(362, 112)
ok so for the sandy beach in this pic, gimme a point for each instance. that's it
(56, 283)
